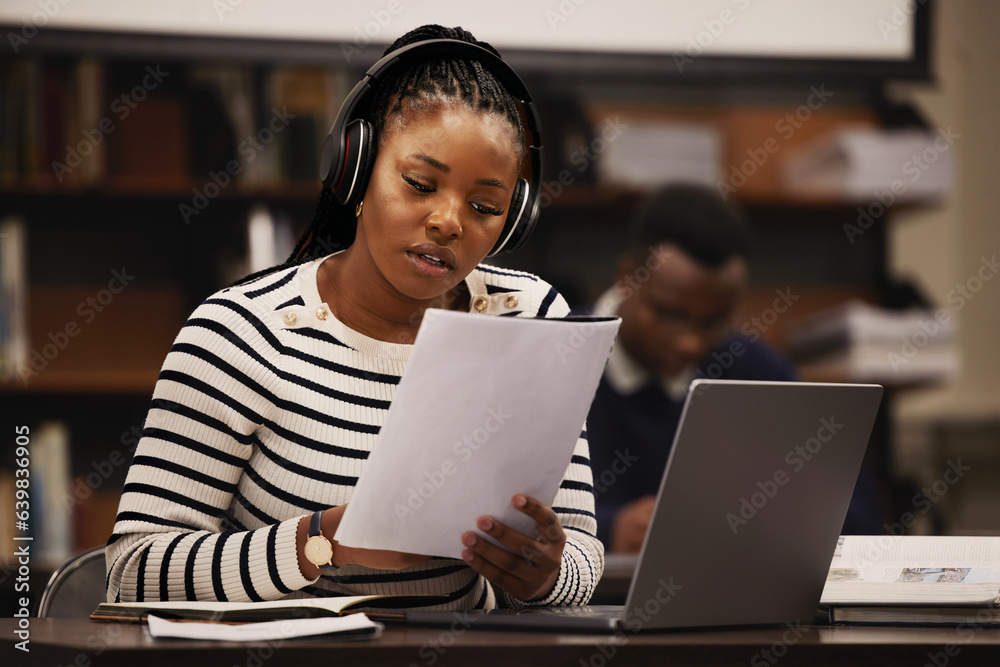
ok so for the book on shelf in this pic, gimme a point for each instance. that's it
(306, 97)
(86, 121)
(914, 580)
(14, 342)
(375, 606)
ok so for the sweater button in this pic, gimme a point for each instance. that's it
(511, 302)
(290, 318)
(321, 313)
(480, 304)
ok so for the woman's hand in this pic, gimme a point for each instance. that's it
(342, 555)
(531, 571)
(377, 559)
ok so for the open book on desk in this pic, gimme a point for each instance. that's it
(488, 407)
(256, 612)
(914, 579)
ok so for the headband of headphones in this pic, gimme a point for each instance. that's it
(350, 147)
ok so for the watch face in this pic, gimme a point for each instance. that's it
(318, 550)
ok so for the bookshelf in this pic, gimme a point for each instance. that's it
(122, 207)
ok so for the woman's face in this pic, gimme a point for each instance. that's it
(438, 196)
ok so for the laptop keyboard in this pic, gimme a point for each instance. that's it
(602, 610)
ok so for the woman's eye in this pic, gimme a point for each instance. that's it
(485, 210)
(417, 185)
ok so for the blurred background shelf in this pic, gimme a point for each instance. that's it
(122, 208)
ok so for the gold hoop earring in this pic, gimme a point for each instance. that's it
(357, 210)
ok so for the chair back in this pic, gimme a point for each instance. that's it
(75, 589)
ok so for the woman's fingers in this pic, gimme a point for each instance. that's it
(529, 566)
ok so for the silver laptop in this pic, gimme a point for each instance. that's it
(752, 501)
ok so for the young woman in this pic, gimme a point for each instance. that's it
(273, 393)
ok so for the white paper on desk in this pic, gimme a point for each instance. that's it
(266, 630)
(488, 407)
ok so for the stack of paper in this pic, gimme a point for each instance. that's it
(357, 626)
(869, 164)
(863, 343)
(648, 154)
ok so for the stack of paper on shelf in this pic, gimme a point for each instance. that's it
(862, 343)
(914, 579)
(868, 164)
(647, 154)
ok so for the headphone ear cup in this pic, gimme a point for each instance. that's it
(520, 220)
(357, 158)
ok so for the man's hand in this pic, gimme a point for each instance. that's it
(631, 524)
(531, 571)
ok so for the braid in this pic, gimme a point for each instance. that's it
(333, 225)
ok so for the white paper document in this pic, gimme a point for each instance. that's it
(355, 624)
(488, 407)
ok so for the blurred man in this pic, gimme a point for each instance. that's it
(678, 294)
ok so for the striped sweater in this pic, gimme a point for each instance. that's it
(265, 410)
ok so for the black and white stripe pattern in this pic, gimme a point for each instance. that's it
(264, 412)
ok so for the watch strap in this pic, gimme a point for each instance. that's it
(316, 524)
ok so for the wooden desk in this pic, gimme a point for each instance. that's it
(83, 643)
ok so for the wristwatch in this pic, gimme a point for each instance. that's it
(318, 548)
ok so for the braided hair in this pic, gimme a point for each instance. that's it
(422, 81)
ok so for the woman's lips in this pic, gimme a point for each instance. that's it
(432, 260)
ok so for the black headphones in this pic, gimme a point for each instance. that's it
(349, 150)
